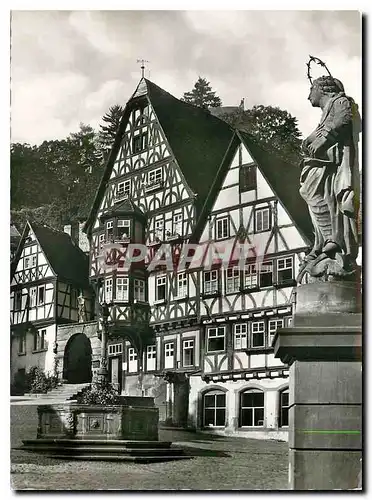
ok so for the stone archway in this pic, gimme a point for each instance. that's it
(77, 360)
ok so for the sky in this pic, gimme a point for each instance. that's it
(69, 67)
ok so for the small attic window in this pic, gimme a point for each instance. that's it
(139, 143)
(247, 178)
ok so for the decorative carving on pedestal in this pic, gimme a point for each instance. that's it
(330, 180)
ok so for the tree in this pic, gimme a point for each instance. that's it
(202, 95)
(107, 133)
(273, 128)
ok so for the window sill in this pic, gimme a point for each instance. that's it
(154, 243)
(21, 354)
(233, 292)
(251, 428)
(223, 239)
(262, 230)
(121, 301)
(216, 352)
(249, 289)
(210, 295)
(181, 299)
(159, 302)
(36, 351)
(154, 187)
(283, 284)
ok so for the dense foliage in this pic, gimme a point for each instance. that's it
(99, 393)
(202, 95)
(273, 128)
(35, 382)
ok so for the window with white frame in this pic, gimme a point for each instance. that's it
(155, 176)
(39, 340)
(285, 270)
(250, 276)
(115, 349)
(274, 324)
(30, 261)
(177, 224)
(252, 408)
(161, 288)
(266, 274)
(232, 280)
(132, 360)
(33, 293)
(151, 357)
(22, 343)
(169, 355)
(110, 231)
(216, 339)
(258, 334)
(262, 219)
(41, 295)
(214, 409)
(17, 300)
(108, 289)
(139, 142)
(159, 228)
(122, 289)
(123, 229)
(222, 228)
(139, 290)
(181, 285)
(240, 336)
(188, 352)
(283, 408)
(124, 188)
(210, 282)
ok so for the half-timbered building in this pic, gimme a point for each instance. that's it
(49, 274)
(178, 175)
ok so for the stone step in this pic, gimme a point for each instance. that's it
(122, 458)
(122, 443)
(82, 450)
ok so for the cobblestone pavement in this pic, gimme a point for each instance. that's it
(222, 463)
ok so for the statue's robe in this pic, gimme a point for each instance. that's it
(330, 179)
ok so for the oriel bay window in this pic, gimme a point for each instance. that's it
(211, 282)
(232, 280)
(216, 339)
(188, 352)
(122, 289)
(123, 229)
(139, 290)
(266, 274)
(252, 409)
(214, 409)
(240, 336)
(161, 288)
(285, 270)
(258, 334)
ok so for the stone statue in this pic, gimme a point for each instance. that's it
(329, 181)
(81, 308)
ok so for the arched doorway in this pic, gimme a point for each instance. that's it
(77, 360)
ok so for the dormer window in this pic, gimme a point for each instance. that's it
(123, 229)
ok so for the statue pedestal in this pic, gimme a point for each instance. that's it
(323, 350)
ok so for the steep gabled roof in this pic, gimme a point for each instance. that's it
(66, 259)
(282, 176)
(126, 207)
(197, 139)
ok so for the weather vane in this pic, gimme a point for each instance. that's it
(142, 61)
(317, 61)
